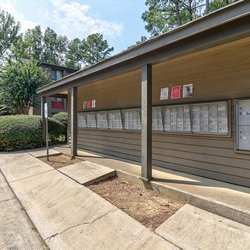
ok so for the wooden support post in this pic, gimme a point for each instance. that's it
(43, 100)
(73, 119)
(146, 117)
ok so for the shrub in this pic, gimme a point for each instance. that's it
(56, 130)
(5, 110)
(61, 117)
(24, 132)
(20, 132)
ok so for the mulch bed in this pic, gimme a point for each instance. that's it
(59, 161)
(148, 207)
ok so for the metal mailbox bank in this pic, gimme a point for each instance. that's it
(179, 101)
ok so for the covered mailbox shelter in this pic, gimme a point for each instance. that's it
(179, 101)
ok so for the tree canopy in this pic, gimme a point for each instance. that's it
(95, 49)
(164, 15)
(19, 81)
(9, 30)
(89, 51)
(48, 46)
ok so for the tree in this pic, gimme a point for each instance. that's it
(33, 39)
(18, 84)
(74, 54)
(217, 4)
(164, 15)
(9, 29)
(142, 40)
(95, 48)
(54, 47)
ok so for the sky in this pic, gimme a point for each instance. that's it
(119, 21)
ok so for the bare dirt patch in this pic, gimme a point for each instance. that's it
(59, 161)
(146, 206)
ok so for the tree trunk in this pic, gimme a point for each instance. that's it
(178, 17)
(26, 111)
(190, 10)
(207, 6)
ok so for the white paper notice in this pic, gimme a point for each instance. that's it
(212, 118)
(91, 120)
(167, 118)
(102, 120)
(186, 119)
(179, 118)
(164, 94)
(157, 119)
(81, 119)
(132, 119)
(196, 118)
(204, 118)
(173, 119)
(93, 103)
(222, 118)
(115, 119)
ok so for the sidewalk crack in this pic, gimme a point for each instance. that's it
(7, 200)
(84, 223)
(168, 240)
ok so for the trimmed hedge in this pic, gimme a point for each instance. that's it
(56, 131)
(61, 117)
(24, 132)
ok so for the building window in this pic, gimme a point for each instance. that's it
(53, 75)
(59, 74)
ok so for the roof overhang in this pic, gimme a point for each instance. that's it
(222, 26)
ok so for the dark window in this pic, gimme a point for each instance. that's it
(53, 75)
(59, 74)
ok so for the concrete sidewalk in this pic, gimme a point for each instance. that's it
(227, 200)
(194, 228)
(87, 173)
(69, 215)
(16, 230)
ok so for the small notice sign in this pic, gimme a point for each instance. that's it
(57, 105)
(176, 92)
(93, 103)
(164, 94)
(89, 104)
(187, 90)
(46, 110)
(84, 105)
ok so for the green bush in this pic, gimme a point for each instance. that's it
(24, 132)
(61, 117)
(20, 132)
(5, 110)
(56, 131)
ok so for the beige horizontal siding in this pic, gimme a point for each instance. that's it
(211, 157)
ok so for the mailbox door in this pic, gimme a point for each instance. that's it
(243, 124)
(244, 137)
(244, 112)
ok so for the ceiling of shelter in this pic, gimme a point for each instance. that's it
(171, 68)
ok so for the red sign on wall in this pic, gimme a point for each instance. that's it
(176, 92)
(89, 104)
(57, 105)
